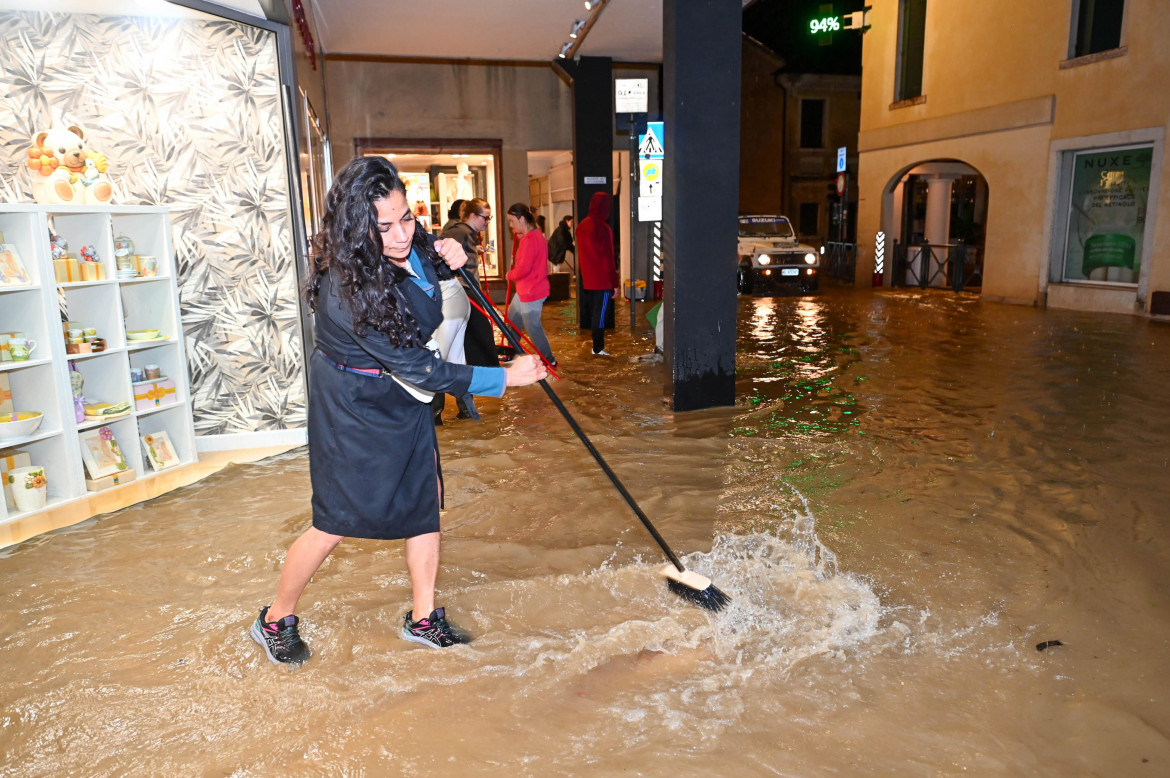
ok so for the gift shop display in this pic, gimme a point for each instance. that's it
(65, 171)
(29, 488)
(11, 459)
(91, 354)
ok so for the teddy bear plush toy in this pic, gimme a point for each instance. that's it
(65, 170)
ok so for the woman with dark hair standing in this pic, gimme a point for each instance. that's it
(530, 275)
(373, 454)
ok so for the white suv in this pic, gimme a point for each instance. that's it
(770, 257)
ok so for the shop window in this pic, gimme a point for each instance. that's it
(810, 218)
(812, 124)
(1096, 26)
(437, 175)
(1107, 191)
(911, 42)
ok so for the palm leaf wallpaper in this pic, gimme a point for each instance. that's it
(189, 113)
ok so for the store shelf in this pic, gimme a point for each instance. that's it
(111, 307)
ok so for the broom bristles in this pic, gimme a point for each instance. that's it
(695, 589)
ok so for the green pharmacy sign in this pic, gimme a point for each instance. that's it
(825, 24)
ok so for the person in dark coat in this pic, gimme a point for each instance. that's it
(561, 243)
(373, 454)
(599, 276)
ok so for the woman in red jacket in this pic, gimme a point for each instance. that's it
(530, 275)
(599, 277)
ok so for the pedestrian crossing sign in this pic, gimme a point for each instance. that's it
(651, 145)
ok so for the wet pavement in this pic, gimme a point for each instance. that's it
(913, 492)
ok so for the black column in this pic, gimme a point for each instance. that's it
(701, 64)
(593, 121)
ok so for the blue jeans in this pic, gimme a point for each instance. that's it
(526, 317)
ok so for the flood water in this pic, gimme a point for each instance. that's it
(912, 492)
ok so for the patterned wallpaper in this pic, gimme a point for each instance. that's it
(188, 112)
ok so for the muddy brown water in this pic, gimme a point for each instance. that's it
(912, 492)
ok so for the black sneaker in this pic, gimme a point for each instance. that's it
(280, 639)
(433, 631)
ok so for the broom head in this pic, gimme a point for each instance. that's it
(695, 589)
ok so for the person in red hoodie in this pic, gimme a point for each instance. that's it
(530, 275)
(599, 276)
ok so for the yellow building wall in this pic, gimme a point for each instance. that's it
(997, 98)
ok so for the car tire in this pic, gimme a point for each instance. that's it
(743, 280)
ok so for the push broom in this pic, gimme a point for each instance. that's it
(687, 584)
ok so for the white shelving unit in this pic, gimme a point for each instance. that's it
(111, 307)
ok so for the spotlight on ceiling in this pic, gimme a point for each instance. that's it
(589, 4)
(577, 25)
(565, 49)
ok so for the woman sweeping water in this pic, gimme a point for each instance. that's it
(373, 454)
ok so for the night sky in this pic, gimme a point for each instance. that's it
(783, 26)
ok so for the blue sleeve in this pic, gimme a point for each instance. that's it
(487, 381)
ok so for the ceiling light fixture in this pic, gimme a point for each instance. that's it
(577, 25)
(565, 49)
(588, 5)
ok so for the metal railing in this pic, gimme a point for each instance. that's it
(839, 261)
(954, 265)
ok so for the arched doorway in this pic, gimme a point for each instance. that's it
(935, 215)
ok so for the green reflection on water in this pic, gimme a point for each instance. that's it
(791, 369)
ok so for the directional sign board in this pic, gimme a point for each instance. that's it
(650, 178)
(841, 159)
(631, 95)
(652, 144)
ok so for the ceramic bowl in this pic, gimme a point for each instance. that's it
(142, 334)
(19, 424)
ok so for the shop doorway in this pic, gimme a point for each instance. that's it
(936, 213)
(437, 173)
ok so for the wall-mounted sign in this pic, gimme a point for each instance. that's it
(824, 24)
(1107, 214)
(595, 180)
(631, 95)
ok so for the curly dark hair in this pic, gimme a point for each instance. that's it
(350, 245)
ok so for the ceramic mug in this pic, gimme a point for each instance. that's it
(29, 487)
(147, 266)
(21, 348)
(5, 353)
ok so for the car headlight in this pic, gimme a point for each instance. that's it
(810, 258)
(764, 259)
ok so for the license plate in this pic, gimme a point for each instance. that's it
(789, 271)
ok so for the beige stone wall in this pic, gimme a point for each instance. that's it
(1000, 96)
(526, 106)
(761, 142)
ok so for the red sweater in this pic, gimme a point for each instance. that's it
(595, 246)
(530, 267)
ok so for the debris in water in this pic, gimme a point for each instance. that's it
(1048, 644)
